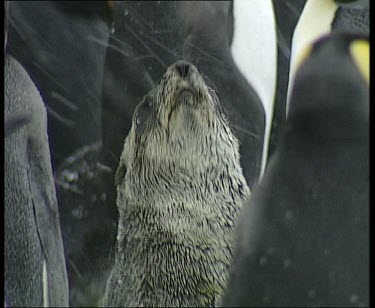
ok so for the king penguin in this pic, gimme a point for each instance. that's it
(299, 23)
(34, 263)
(303, 237)
(321, 17)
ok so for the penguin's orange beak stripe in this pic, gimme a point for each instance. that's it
(303, 55)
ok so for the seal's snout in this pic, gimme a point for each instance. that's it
(183, 68)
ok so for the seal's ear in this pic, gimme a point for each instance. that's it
(120, 173)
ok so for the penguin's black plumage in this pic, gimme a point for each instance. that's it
(303, 238)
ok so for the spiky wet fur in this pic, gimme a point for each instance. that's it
(179, 189)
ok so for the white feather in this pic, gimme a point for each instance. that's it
(45, 285)
(254, 50)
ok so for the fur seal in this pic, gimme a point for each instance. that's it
(179, 189)
(149, 36)
(303, 239)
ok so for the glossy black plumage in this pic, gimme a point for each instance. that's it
(303, 238)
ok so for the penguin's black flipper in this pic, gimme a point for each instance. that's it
(303, 238)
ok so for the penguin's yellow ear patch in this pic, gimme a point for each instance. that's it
(360, 52)
(303, 55)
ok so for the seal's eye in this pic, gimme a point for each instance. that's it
(143, 113)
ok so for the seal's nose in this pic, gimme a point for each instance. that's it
(182, 68)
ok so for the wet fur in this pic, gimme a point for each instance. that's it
(179, 189)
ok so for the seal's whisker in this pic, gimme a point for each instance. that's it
(113, 155)
(157, 42)
(64, 101)
(123, 44)
(42, 70)
(74, 267)
(207, 54)
(137, 36)
(59, 117)
(245, 131)
(119, 50)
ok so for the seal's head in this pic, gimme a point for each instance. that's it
(179, 123)
(179, 189)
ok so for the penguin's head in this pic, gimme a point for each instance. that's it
(331, 87)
